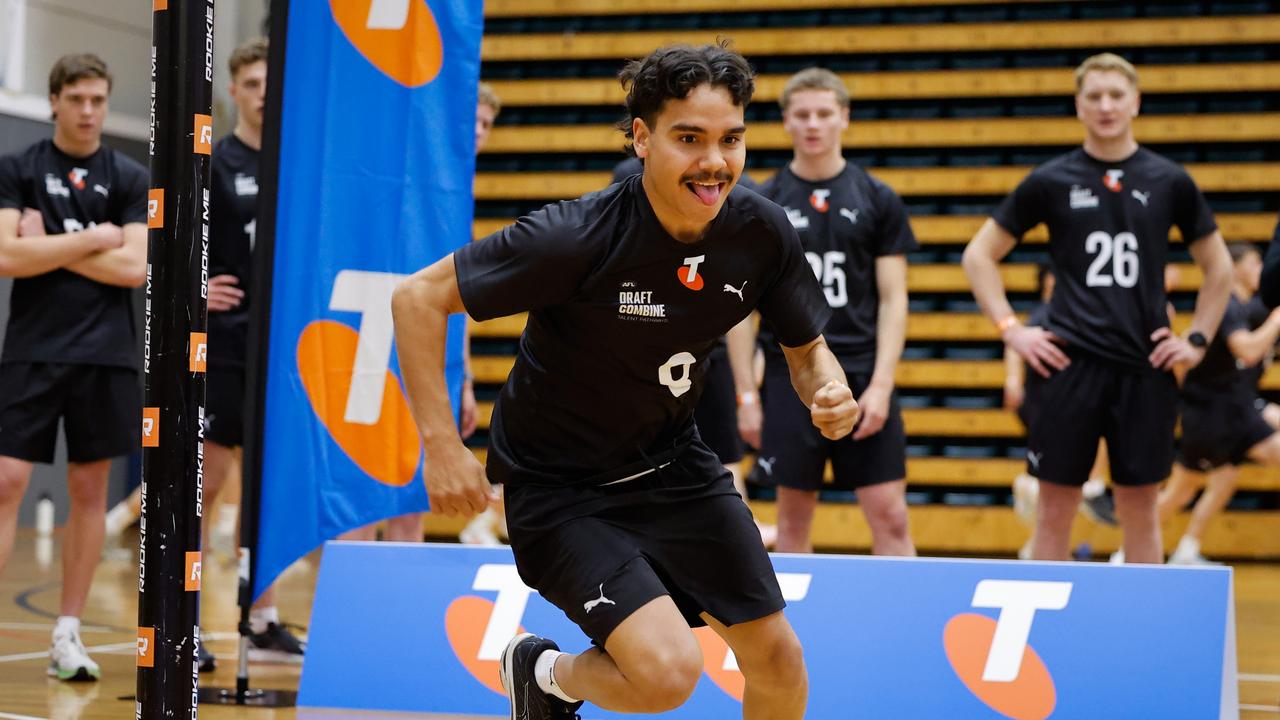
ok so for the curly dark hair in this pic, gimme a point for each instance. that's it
(672, 72)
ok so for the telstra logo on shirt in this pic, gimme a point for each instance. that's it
(399, 37)
(688, 272)
(994, 658)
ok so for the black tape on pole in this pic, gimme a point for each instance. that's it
(174, 357)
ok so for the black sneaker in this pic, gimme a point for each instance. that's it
(1100, 509)
(528, 702)
(208, 663)
(276, 645)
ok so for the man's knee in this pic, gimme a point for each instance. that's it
(14, 478)
(666, 676)
(87, 483)
(889, 518)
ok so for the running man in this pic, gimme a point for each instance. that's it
(618, 513)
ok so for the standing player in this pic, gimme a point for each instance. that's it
(855, 234)
(1223, 420)
(73, 233)
(233, 227)
(1107, 351)
(618, 513)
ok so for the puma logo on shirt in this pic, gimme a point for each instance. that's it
(734, 290)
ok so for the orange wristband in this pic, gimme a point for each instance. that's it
(1007, 323)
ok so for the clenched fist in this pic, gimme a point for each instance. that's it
(834, 411)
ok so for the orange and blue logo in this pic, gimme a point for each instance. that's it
(399, 37)
(994, 658)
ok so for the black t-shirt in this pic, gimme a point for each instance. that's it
(845, 223)
(61, 316)
(233, 211)
(621, 319)
(633, 166)
(1219, 375)
(1108, 237)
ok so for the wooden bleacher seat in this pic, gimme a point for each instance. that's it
(1217, 177)
(1244, 127)
(927, 85)
(957, 229)
(847, 40)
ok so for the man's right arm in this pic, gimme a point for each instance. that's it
(26, 255)
(982, 258)
(420, 306)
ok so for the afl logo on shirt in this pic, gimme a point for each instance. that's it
(818, 199)
(688, 272)
(1112, 180)
(77, 176)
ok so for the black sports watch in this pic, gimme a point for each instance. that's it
(1196, 339)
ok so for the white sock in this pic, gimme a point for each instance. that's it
(67, 624)
(260, 618)
(119, 518)
(544, 671)
(1188, 546)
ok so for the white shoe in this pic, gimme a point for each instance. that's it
(1186, 558)
(1024, 552)
(480, 531)
(68, 660)
(1117, 558)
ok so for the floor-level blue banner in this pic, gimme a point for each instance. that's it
(420, 628)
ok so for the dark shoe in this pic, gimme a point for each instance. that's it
(1100, 509)
(276, 645)
(528, 701)
(208, 663)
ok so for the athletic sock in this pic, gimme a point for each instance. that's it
(544, 671)
(1188, 546)
(261, 618)
(67, 624)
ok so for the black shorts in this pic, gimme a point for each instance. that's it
(224, 406)
(100, 406)
(599, 553)
(1219, 431)
(1134, 409)
(794, 452)
(716, 414)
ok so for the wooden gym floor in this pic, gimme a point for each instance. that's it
(29, 603)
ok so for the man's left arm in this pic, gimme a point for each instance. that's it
(891, 335)
(820, 382)
(1210, 254)
(125, 266)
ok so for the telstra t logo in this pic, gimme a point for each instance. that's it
(994, 658)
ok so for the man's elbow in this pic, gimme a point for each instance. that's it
(409, 297)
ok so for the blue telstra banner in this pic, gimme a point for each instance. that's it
(884, 638)
(376, 161)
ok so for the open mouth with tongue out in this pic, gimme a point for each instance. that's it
(708, 190)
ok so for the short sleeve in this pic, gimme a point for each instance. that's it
(794, 305)
(1024, 208)
(539, 261)
(134, 182)
(627, 168)
(1233, 320)
(1191, 211)
(10, 183)
(893, 234)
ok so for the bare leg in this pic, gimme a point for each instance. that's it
(885, 507)
(85, 529)
(772, 662)
(405, 528)
(368, 533)
(1221, 485)
(15, 475)
(1178, 491)
(795, 519)
(650, 663)
(219, 463)
(1055, 512)
(1136, 510)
